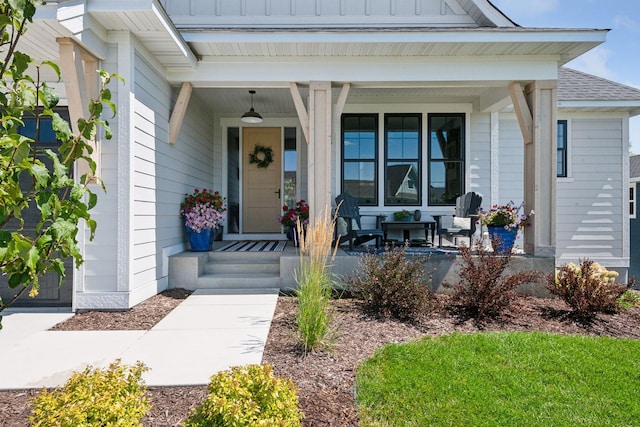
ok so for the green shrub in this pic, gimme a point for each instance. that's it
(94, 398)
(483, 290)
(587, 288)
(629, 299)
(393, 284)
(248, 396)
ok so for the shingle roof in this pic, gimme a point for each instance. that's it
(634, 166)
(578, 86)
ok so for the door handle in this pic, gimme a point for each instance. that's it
(278, 193)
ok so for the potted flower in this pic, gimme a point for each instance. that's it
(203, 211)
(503, 223)
(291, 215)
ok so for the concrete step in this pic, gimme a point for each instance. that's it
(251, 257)
(256, 267)
(238, 281)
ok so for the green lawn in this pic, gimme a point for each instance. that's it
(502, 379)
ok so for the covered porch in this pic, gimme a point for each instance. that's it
(254, 270)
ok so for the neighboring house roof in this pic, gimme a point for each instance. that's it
(396, 176)
(578, 91)
(634, 167)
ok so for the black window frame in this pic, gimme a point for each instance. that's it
(374, 161)
(388, 160)
(562, 152)
(461, 160)
(633, 200)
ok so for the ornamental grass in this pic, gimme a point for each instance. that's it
(315, 282)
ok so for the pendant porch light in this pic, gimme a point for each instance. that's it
(251, 116)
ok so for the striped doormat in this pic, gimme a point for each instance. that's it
(254, 246)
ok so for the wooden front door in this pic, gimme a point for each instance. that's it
(261, 190)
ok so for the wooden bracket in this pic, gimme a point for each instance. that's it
(79, 71)
(523, 112)
(179, 111)
(303, 116)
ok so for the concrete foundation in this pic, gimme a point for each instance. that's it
(187, 267)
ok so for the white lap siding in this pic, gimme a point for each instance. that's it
(590, 200)
(159, 176)
(163, 174)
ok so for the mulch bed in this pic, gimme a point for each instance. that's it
(141, 317)
(325, 379)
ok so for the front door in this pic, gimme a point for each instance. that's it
(261, 185)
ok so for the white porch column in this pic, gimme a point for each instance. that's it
(540, 168)
(319, 149)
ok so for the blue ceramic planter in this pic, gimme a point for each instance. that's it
(292, 235)
(202, 241)
(502, 240)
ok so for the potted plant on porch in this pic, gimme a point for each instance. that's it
(503, 223)
(203, 211)
(291, 216)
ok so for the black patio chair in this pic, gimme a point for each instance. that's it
(348, 225)
(463, 222)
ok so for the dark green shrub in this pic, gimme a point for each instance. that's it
(94, 398)
(393, 284)
(248, 396)
(587, 288)
(483, 290)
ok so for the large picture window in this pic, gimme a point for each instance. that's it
(446, 158)
(360, 157)
(562, 149)
(402, 152)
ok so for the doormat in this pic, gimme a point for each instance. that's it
(255, 246)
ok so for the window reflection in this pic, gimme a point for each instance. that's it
(446, 158)
(402, 159)
(359, 154)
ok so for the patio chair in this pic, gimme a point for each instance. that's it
(348, 225)
(463, 222)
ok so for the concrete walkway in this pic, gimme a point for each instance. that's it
(208, 332)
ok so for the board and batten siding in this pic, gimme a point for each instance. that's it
(163, 173)
(589, 202)
(256, 13)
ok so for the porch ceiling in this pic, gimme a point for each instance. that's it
(278, 101)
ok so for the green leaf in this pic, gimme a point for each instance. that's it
(54, 66)
(60, 171)
(21, 62)
(61, 127)
(17, 279)
(41, 174)
(93, 200)
(33, 258)
(48, 96)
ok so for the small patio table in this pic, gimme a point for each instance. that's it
(426, 222)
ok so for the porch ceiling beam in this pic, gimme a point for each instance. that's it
(179, 111)
(523, 113)
(275, 71)
(303, 116)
